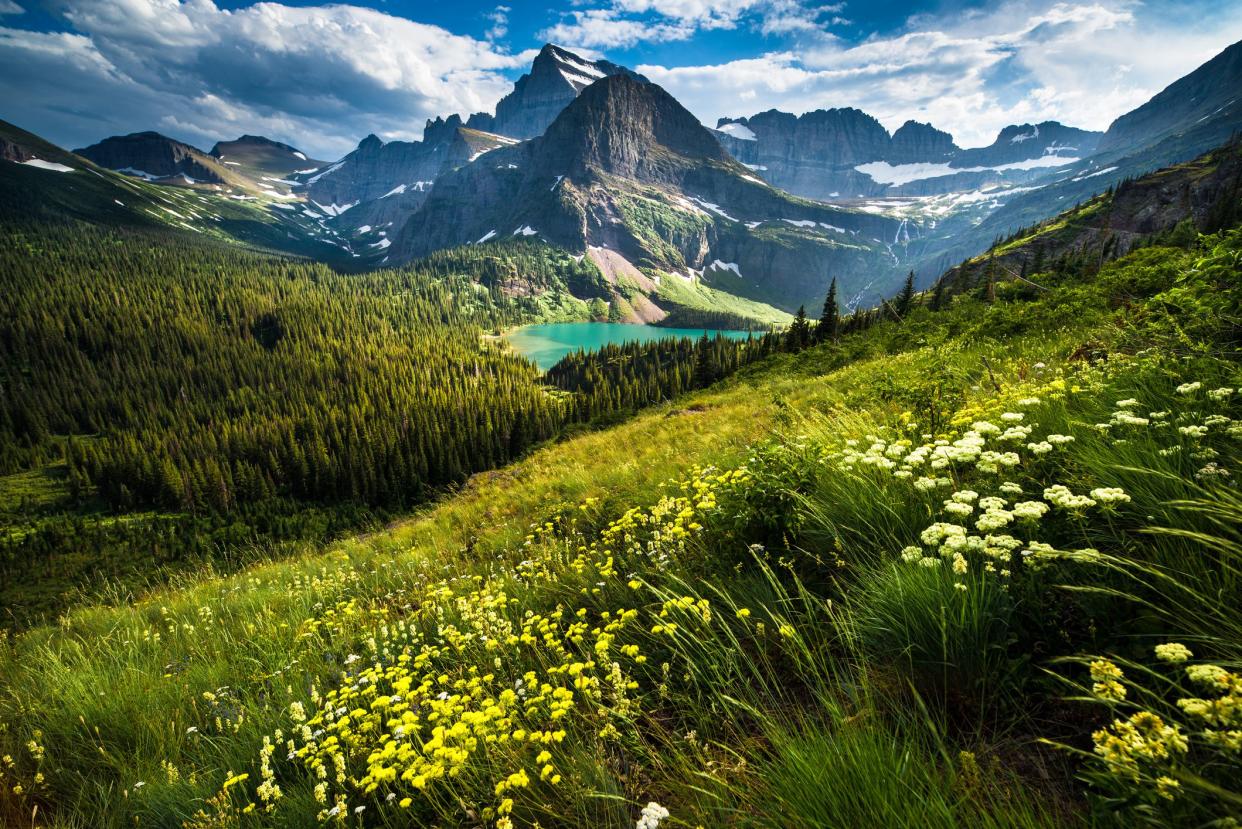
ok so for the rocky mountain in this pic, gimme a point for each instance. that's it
(42, 182)
(555, 78)
(262, 158)
(626, 176)
(1210, 98)
(378, 170)
(1190, 117)
(1024, 142)
(155, 157)
(840, 154)
(1206, 191)
(402, 172)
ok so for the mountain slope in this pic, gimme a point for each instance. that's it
(155, 157)
(627, 168)
(1212, 93)
(779, 541)
(74, 188)
(1203, 194)
(263, 159)
(1189, 118)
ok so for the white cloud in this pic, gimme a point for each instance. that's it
(624, 23)
(9, 7)
(1083, 64)
(499, 18)
(317, 77)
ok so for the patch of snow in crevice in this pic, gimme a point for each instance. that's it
(715, 208)
(755, 180)
(525, 230)
(382, 244)
(364, 229)
(559, 179)
(48, 165)
(1093, 175)
(326, 172)
(739, 131)
(136, 173)
(334, 209)
(718, 265)
(583, 67)
(1026, 136)
(575, 79)
(297, 154)
(756, 167)
(489, 235)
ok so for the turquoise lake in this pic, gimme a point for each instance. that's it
(547, 343)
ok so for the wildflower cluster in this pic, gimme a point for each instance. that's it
(471, 695)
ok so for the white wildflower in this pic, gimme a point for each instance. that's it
(651, 816)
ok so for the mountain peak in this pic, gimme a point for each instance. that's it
(617, 122)
(556, 77)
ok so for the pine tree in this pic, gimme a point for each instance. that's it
(937, 300)
(799, 336)
(905, 299)
(829, 326)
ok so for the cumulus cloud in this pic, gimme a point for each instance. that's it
(317, 77)
(1083, 64)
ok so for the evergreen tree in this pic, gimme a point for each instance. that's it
(799, 334)
(829, 327)
(937, 300)
(905, 299)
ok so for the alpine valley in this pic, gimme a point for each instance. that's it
(933, 522)
(590, 158)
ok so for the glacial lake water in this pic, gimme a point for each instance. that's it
(546, 343)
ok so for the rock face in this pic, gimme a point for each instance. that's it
(555, 79)
(627, 168)
(810, 155)
(818, 154)
(914, 143)
(157, 156)
(376, 170)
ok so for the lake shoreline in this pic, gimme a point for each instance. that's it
(545, 344)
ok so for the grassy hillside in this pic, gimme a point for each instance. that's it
(957, 570)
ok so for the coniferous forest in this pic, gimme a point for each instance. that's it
(233, 398)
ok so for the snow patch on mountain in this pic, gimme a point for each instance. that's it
(739, 131)
(1025, 136)
(896, 174)
(48, 165)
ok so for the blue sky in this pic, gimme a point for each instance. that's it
(321, 75)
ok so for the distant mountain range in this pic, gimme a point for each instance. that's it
(593, 158)
(846, 153)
